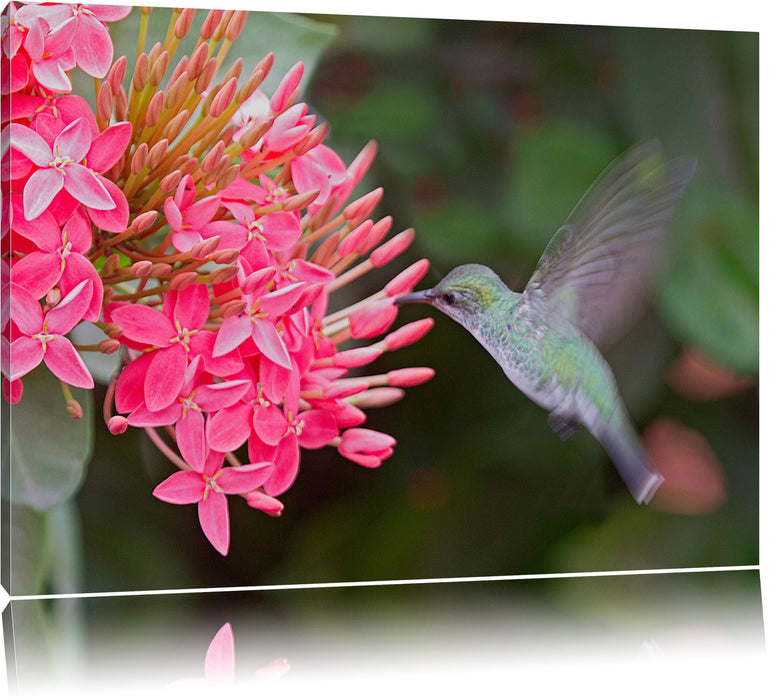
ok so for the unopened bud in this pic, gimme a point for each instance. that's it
(211, 160)
(109, 346)
(53, 296)
(141, 72)
(156, 153)
(315, 138)
(236, 24)
(359, 210)
(281, 98)
(117, 425)
(357, 357)
(175, 91)
(184, 22)
(300, 201)
(261, 501)
(181, 280)
(406, 280)
(379, 397)
(408, 334)
(225, 257)
(141, 268)
(137, 164)
(223, 98)
(169, 182)
(111, 264)
(234, 71)
(378, 232)
(232, 308)
(201, 250)
(393, 248)
(112, 330)
(355, 238)
(160, 270)
(175, 125)
(159, 68)
(117, 74)
(409, 376)
(154, 53)
(228, 177)
(74, 409)
(223, 274)
(210, 24)
(104, 102)
(344, 387)
(309, 295)
(154, 110)
(362, 162)
(120, 104)
(204, 78)
(257, 280)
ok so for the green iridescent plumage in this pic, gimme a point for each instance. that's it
(587, 285)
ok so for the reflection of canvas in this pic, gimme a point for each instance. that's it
(213, 222)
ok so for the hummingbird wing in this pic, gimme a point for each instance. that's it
(596, 268)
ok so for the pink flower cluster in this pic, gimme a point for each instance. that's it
(202, 227)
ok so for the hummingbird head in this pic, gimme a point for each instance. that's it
(466, 292)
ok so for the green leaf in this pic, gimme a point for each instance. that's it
(552, 168)
(711, 298)
(49, 450)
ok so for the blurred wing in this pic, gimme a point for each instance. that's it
(596, 268)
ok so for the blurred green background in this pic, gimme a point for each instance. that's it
(489, 133)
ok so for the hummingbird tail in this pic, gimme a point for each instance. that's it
(623, 446)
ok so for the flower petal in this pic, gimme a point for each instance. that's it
(192, 306)
(318, 429)
(107, 148)
(165, 377)
(212, 397)
(144, 324)
(66, 364)
(229, 428)
(74, 140)
(270, 343)
(214, 519)
(286, 466)
(129, 387)
(219, 660)
(270, 424)
(65, 315)
(37, 272)
(31, 144)
(93, 48)
(234, 331)
(26, 355)
(115, 219)
(180, 488)
(40, 189)
(85, 186)
(190, 436)
(26, 312)
(243, 479)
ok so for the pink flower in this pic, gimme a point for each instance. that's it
(321, 169)
(169, 337)
(43, 335)
(59, 167)
(85, 25)
(208, 489)
(190, 219)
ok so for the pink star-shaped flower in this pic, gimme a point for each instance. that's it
(208, 489)
(43, 335)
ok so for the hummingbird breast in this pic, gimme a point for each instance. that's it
(550, 361)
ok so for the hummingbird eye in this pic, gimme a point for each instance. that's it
(448, 298)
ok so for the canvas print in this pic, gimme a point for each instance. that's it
(294, 299)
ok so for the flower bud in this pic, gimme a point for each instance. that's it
(223, 98)
(236, 24)
(406, 280)
(160, 270)
(281, 98)
(141, 268)
(409, 376)
(232, 308)
(393, 248)
(154, 109)
(137, 164)
(355, 238)
(408, 334)
(117, 425)
(112, 330)
(344, 387)
(184, 22)
(358, 357)
(378, 232)
(141, 73)
(109, 346)
(169, 182)
(225, 257)
(74, 409)
(156, 153)
(378, 397)
(116, 74)
(261, 501)
(223, 274)
(54, 296)
(181, 280)
(201, 250)
(257, 280)
(209, 25)
(360, 209)
(197, 62)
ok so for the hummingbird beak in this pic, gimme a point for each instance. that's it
(423, 297)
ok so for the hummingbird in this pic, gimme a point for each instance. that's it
(587, 285)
